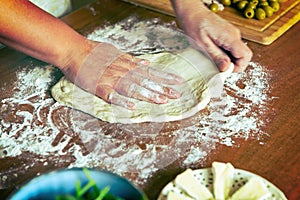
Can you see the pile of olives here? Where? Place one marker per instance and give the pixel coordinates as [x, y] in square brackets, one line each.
[259, 9]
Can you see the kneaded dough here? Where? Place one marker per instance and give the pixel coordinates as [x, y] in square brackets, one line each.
[195, 68]
[56, 8]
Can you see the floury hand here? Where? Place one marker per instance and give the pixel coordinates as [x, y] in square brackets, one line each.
[113, 75]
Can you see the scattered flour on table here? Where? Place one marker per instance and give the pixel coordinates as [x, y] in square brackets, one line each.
[32, 122]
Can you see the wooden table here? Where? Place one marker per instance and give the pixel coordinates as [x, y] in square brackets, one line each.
[277, 159]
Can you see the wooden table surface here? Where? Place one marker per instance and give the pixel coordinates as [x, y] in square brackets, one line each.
[276, 158]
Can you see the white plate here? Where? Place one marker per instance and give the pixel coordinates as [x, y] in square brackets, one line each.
[205, 177]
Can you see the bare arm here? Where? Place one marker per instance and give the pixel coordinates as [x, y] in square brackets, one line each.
[98, 68]
[29, 29]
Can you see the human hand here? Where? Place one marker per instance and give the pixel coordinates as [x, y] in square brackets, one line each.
[218, 38]
[113, 75]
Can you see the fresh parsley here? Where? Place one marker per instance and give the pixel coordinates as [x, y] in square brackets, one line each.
[90, 191]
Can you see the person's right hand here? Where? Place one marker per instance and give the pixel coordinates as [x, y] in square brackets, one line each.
[113, 75]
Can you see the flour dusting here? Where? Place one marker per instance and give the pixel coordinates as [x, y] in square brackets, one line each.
[32, 122]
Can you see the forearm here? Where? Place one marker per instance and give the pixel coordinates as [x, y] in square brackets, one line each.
[27, 28]
[187, 9]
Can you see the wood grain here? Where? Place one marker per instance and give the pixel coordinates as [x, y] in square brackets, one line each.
[261, 31]
[277, 159]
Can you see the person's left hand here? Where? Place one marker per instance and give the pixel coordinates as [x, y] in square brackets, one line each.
[216, 37]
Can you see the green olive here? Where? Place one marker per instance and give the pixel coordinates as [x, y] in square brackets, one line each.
[251, 5]
[268, 10]
[242, 5]
[273, 0]
[214, 7]
[255, 2]
[235, 1]
[226, 2]
[260, 14]
[263, 3]
[275, 6]
[249, 13]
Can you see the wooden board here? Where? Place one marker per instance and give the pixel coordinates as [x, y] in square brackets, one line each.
[261, 31]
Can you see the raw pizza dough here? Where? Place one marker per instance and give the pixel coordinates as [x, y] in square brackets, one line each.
[195, 68]
[56, 8]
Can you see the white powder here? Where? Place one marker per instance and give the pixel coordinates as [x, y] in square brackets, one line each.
[32, 122]
[133, 35]
[24, 131]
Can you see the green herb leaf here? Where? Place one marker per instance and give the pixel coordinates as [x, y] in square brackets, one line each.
[103, 193]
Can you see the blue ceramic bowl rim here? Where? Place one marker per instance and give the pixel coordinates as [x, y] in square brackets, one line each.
[41, 185]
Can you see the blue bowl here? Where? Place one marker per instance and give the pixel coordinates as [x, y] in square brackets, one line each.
[61, 182]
